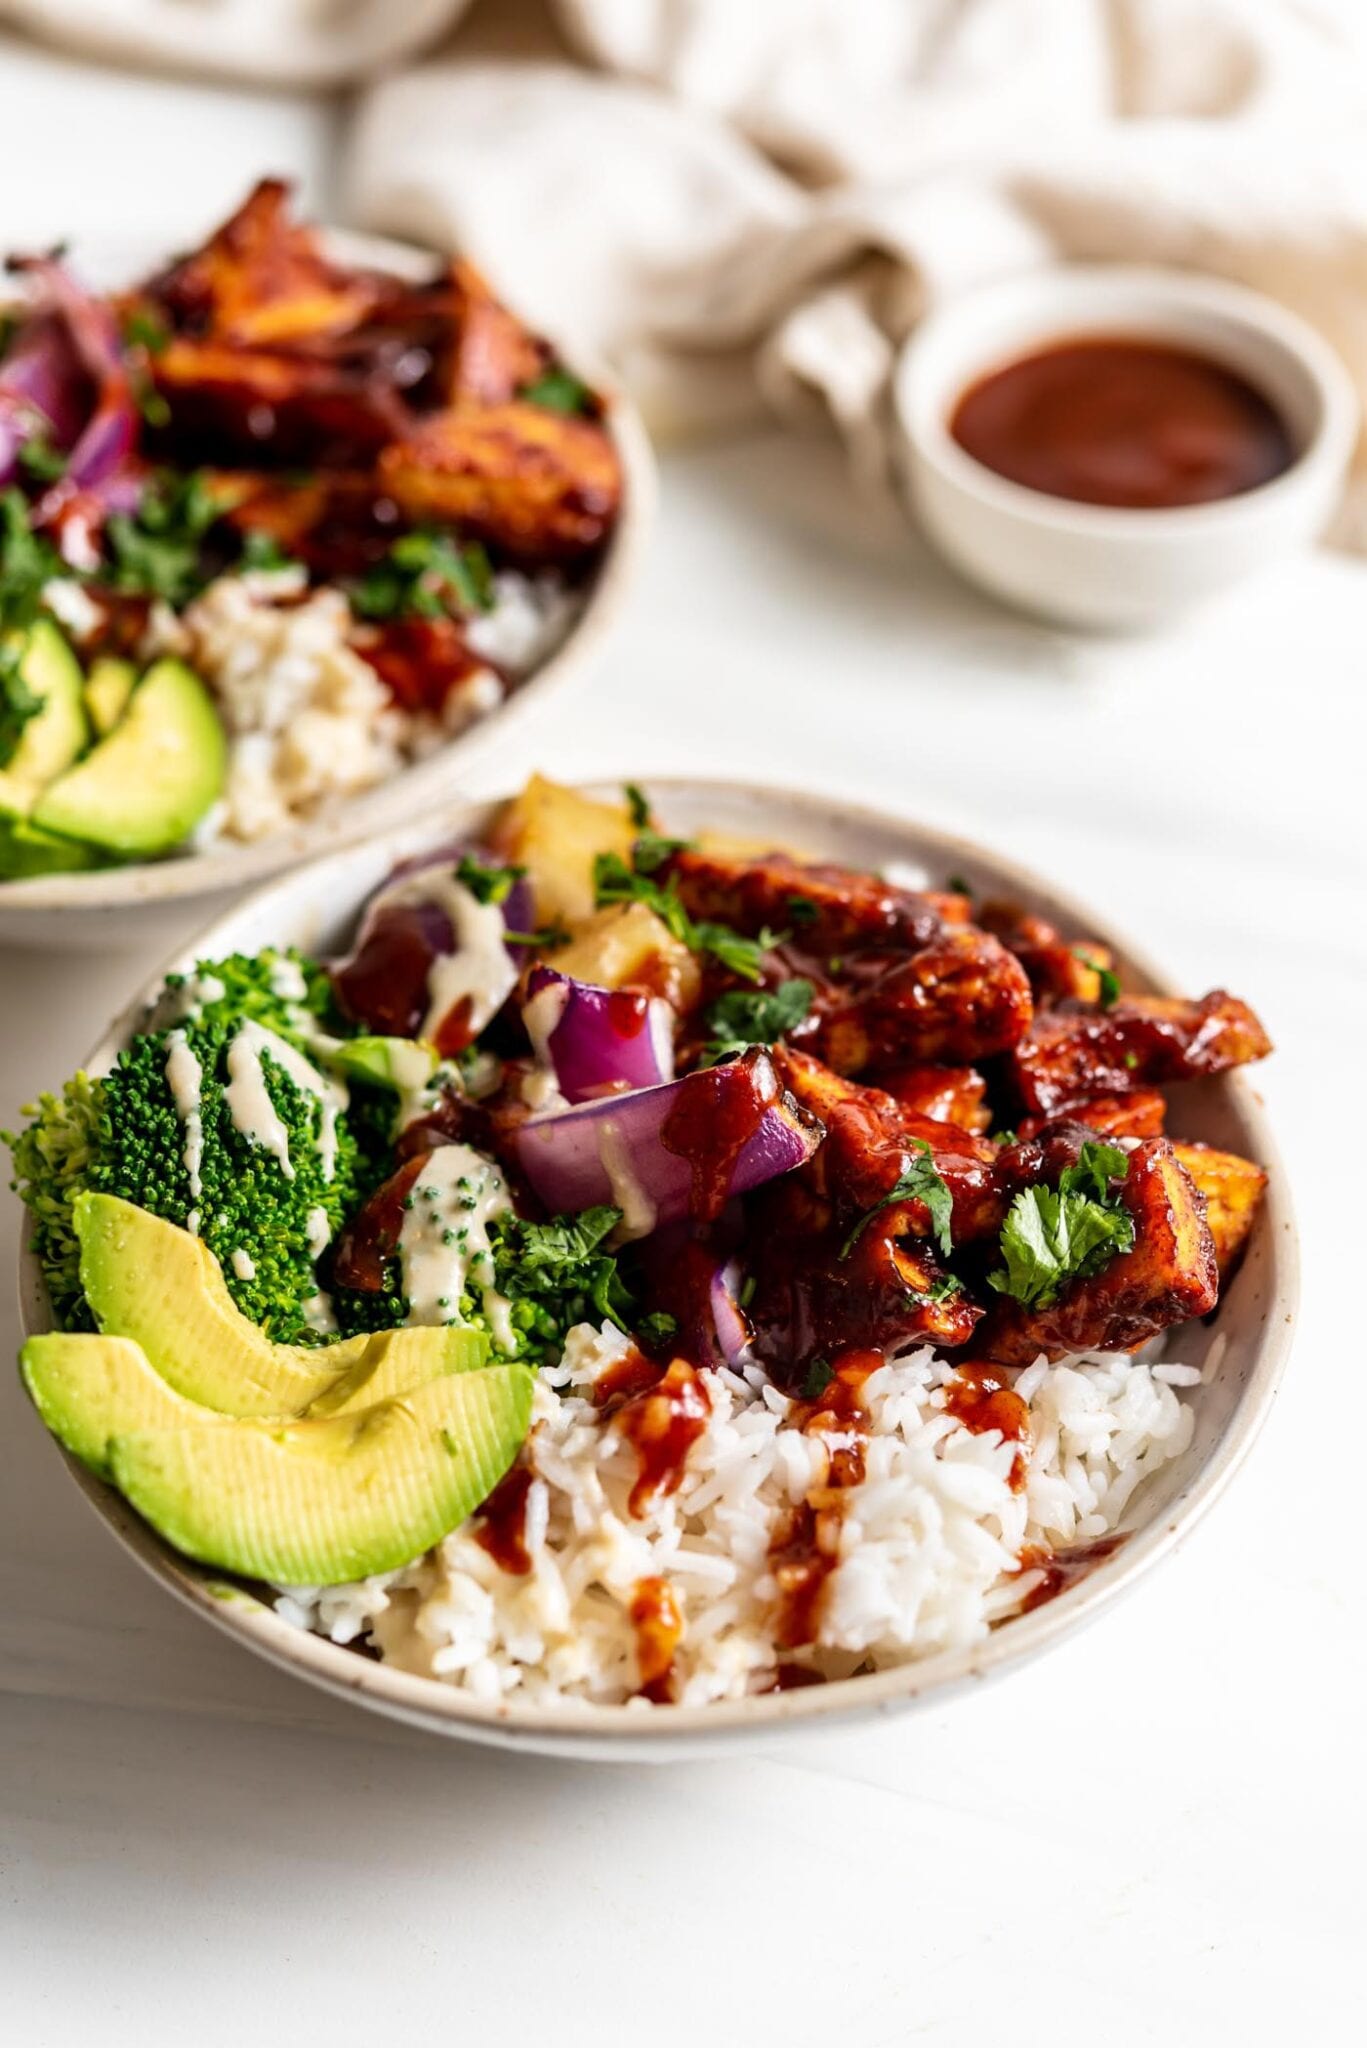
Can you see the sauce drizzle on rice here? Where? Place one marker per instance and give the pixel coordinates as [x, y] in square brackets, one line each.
[806, 1544]
[1064, 1568]
[982, 1398]
[500, 1527]
[659, 1625]
[662, 1423]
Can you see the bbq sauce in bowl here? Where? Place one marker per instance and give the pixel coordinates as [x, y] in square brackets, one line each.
[1138, 424]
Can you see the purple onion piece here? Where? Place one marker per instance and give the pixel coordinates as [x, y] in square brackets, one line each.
[733, 1331]
[80, 341]
[614, 1150]
[597, 1041]
[384, 982]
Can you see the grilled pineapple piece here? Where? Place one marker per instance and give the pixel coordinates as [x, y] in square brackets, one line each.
[555, 834]
[1233, 1188]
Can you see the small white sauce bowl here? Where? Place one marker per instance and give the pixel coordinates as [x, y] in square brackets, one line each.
[1099, 565]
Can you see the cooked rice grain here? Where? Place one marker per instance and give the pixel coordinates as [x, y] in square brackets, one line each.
[929, 1541]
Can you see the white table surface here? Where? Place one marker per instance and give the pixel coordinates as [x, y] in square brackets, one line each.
[1155, 1834]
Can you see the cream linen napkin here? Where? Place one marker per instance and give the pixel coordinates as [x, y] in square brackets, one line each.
[749, 203]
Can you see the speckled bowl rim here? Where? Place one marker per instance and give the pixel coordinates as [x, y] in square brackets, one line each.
[424, 784]
[624, 1733]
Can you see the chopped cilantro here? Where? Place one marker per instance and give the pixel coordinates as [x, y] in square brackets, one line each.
[754, 1017]
[802, 910]
[548, 936]
[652, 850]
[638, 805]
[558, 391]
[486, 884]
[27, 561]
[817, 1378]
[562, 1268]
[920, 1183]
[40, 460]
[657, 1328]
[615, 882]
[1050, 1239]
[261, 550]
[142, 328]
[156, 551]
[1110, 983]
[425, 575]
[958, 886]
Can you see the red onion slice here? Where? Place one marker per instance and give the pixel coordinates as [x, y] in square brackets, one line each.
[664, 1153]
[400, 977]
[108, 435]
[733, 1331]
[597, 1041]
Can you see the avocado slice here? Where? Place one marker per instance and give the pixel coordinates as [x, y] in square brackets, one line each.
[108, 688]
[25, 849]
[51, 740]
[319, 1503]
[141, 790]
[90, 1388]
[148, 1280]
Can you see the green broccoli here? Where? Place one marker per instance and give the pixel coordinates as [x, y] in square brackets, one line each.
[122, 1135]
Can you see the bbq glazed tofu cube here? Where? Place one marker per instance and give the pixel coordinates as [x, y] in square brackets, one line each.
[1069, 1056]
[1233, 1188]
[1168, 1276]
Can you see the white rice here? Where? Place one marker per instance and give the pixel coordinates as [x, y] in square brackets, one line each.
[309, 722]
[930, 1540]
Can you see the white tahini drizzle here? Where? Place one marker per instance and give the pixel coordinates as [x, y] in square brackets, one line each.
[639, 1212]
[480, 967]
[243, 1264]
[250, 1106]
[185, 1079]
[444, 1242]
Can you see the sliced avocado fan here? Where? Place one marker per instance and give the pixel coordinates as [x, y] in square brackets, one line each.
[318, 1503]
[144, 787]
[162, 1287]
[58, 730]
[90, 1388]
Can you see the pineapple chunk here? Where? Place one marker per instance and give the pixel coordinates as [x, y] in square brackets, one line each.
[628, 944]
[554, 833]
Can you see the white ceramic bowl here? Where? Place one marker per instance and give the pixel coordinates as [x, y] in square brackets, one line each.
[1244, 1347]
[109, 905]
[1098, 565]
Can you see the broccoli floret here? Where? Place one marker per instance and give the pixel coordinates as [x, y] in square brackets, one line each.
[52, 1161]
[124, 1136]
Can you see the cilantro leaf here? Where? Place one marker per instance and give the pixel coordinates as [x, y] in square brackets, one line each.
[638, 805]
[427, 575]
[615, 882]
[558, 390]
[562, 1266]
[741, 1017]
[487, 884]
[27, 561]
[261, 550]
[802, 910]
[920, 1183]
[657, 1328]
[1051, 1238]
[40, 460]
[156, 551]
[817, 1378]
[1110, 982]
[652, 850]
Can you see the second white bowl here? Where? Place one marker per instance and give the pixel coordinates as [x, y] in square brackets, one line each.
[1099, 565]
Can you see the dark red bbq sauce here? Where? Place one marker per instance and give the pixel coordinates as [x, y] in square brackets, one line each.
[628, 1011]
[806, 1545]
[384, 983]
[713, 1121]
[1065, 1568]
[1106, 420]
[662, 1422]
[658, 1624]
[372, 1236]
[627, 1376]
[982, 1398]
[501, 1524]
